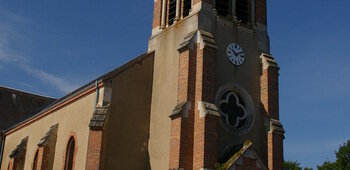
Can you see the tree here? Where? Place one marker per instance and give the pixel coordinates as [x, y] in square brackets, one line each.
[327, 166]
[343, 156]
[291, 165]
[343, 159]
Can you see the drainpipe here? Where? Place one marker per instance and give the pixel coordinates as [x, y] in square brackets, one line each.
[97, 94]
[2, 146]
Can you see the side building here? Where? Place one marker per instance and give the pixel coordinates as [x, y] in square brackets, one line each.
[17, 106]
[78, 131]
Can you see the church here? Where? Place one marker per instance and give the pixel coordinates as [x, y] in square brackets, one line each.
[204, 96]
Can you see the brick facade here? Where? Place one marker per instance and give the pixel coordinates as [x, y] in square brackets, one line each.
[94, 150]
[157, 12]
[248, 164]
[269, 100]
[205, 128]
[193, 140]
[260, 12]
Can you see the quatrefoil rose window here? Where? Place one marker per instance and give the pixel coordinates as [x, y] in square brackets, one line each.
[234, 111]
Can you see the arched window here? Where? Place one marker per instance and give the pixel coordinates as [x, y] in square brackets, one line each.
[70, 154]
[35, 162]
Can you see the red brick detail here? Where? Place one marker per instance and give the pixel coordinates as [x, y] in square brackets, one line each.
[275, 150]
[38, 158]
[17, 163]
[74, 136]
[205, 128]
[10, 166]
[269, 92]
[260, 13]
[193, 140]
[157, 13]
[47, 154]
[248, 164]
[181, 141]
[269, 100]
[93, 157]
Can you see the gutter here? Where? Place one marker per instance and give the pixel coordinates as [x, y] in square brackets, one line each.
[97, 94]
[2, 147]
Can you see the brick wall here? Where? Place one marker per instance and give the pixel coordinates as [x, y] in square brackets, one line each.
[269, 92]
[94, 150]
[248, 164]
[157, 11]
[181, 140]
[194, 138]
[275, 150]
[205, 128]
[270, 106]
[260, 13]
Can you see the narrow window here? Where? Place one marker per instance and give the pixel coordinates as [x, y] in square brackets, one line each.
[70, 154]
[187, 8]
[222, 7]
[242, 9]
[35, 163]
[172, 12]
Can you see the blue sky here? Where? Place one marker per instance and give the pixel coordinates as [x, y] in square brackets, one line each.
[53, 47]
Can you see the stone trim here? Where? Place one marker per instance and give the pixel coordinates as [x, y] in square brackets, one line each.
[181, 110]
[206, 108]
[98, 118]
[186, 41]
[268, 61]
[48, 135]
[20, 148]
[276, 126]
[200, 37]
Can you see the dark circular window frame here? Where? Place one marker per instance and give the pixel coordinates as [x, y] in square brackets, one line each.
[248, 103]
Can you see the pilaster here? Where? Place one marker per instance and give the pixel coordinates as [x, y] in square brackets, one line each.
[194, 123]
[97, 126]
[269, 100]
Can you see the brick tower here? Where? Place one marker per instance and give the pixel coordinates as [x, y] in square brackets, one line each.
[215, 86]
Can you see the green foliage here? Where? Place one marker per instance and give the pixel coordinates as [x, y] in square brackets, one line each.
[307, 168]
[327, 166]
[291, 165]
[343, 159]
[343, 156]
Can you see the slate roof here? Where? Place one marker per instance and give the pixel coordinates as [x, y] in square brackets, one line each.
[17, 105]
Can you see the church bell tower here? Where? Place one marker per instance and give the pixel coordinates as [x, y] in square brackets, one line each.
[215, 87]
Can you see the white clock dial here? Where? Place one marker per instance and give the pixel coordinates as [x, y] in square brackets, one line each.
[235, 54]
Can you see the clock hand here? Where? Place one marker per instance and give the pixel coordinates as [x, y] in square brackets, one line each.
[234, 52]
[239, 53]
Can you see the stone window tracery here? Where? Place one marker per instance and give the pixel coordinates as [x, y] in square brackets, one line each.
[236, 109]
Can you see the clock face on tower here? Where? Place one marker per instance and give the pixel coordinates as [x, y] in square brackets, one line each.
[235, 54]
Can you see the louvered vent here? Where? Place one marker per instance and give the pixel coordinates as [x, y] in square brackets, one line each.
[172, 12]
[187, 8]
[242, 10]
[222, 7]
